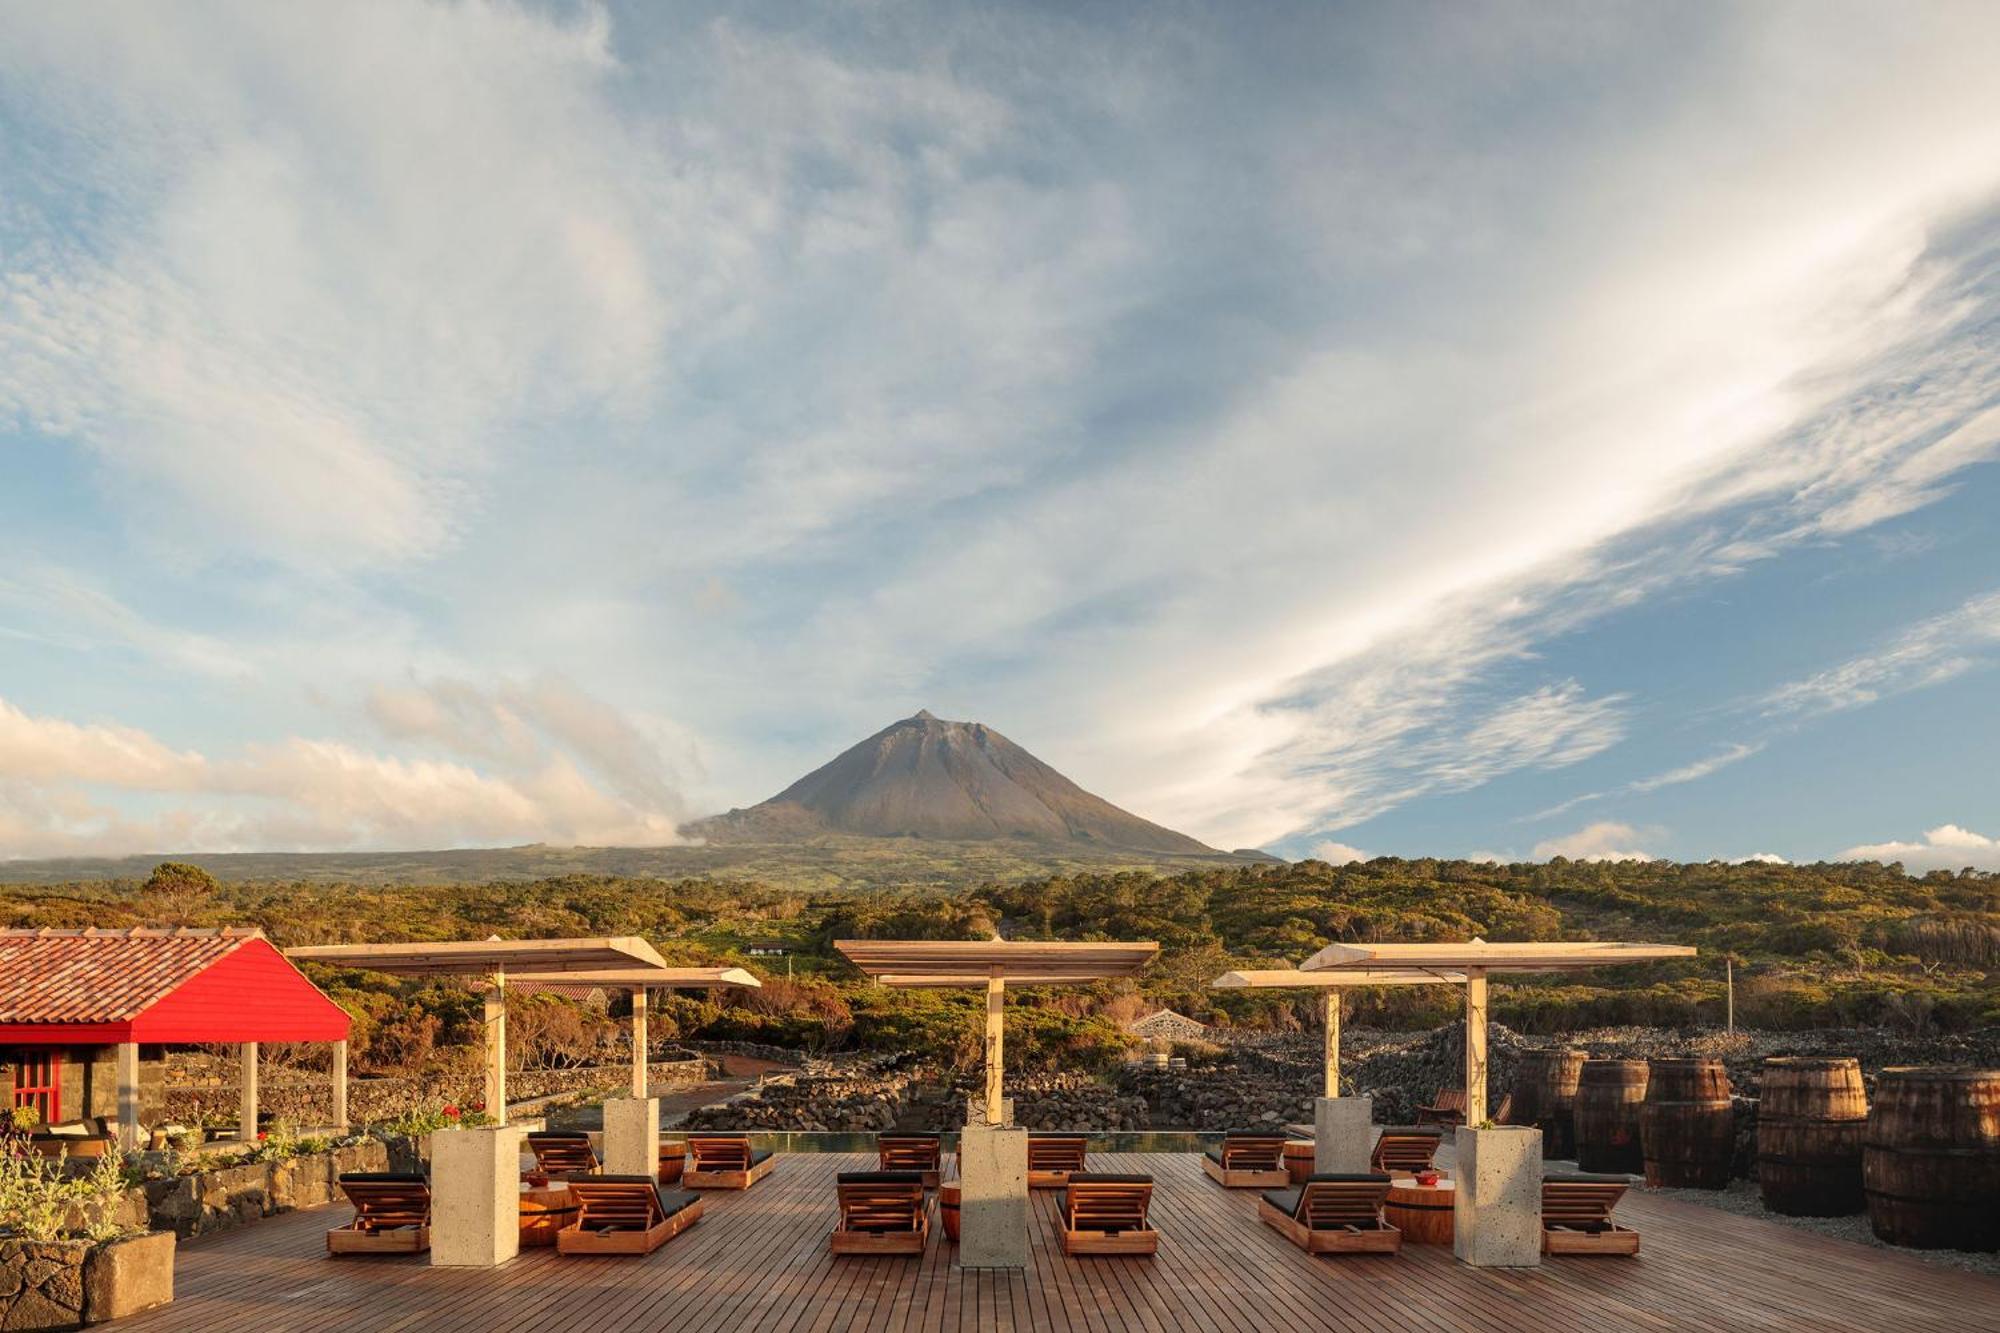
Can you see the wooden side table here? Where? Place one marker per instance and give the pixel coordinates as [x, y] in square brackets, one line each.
[948, 1205]
[545, 1210]
[1423, 1213]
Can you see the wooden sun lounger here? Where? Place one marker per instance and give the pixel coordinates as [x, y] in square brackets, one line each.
[1447, 1109]
[1334, 1214]
[922, 1153]
[392, 1214]
[724, 1162]
[1576, 1215]
[1404, 1150]
[1248, 1159]
[561, 1154]
[881, 1212]
[1054, 1158]
[1106, 1214]
[625, 1215]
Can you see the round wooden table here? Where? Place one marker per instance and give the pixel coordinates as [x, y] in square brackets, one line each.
[1299, 1159]
[545, 1210]
[673, 1158]
[948, 1204]
[1421, 1212]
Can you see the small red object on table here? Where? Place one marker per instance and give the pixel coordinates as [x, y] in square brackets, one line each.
[1423, 1213]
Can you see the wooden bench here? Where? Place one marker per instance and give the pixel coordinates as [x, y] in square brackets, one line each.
[625, 1215]
[1054, 1158]
[1104, 1213]
[724, 1162]
[1248, 1159]
[1404, 1150]
[1446, 1109]
[1334, 1214]
[922, 1153]
[881, 1212]
[392, 1214]
[560, 1154]
[1576, 1215]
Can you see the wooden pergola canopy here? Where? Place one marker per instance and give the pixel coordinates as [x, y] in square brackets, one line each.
[636, 978]
[457, 958]
[972, 963]
[1290, 979]
[1536, 956]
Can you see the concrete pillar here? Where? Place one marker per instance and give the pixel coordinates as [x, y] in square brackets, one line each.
[496, 1048]
[1475, 1046]
[475, 1196]
[993, 1197]
[632, 1137]
[1343, 1134]
[1497, 1203]
[340, 1121]
[127, 1059]
[996, 1044]
[246, 1105]
[639, 1042]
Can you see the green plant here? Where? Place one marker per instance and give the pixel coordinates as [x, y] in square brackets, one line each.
[37, 1197]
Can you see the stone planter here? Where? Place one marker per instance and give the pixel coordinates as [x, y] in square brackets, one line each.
[65, 1284]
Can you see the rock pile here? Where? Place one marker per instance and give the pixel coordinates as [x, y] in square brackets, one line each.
[856, 1094]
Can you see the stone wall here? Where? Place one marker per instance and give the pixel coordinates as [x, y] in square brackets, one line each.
[41, 1283]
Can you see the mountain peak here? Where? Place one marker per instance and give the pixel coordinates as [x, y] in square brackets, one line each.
[953, 781]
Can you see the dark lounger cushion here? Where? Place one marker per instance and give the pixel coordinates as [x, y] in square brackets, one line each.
[1351, 1177]
[879, 1178]
[1429, 1131]
[558, 1136]
[675, 1200]
[384, 1178]
[1585, 1178]
[762, 1154]
[1214, 1155]
[1107, 1178]
[1285, 1201]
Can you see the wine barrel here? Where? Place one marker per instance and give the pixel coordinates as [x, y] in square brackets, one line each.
[1687, 1124]
[948, 1208]
[1608, 1096]
[1812, 1113]
[1299, 1159]
[1545, 1097]
[1930, 1161]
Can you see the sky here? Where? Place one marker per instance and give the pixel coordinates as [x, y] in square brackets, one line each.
[1463, 430]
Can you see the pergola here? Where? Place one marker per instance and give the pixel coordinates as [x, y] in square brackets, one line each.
[1330, 985]
[1472, 961]
[994, 964]
[492, 959]
[640, 980]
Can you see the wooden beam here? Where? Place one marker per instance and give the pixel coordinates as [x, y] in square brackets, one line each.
[639, 1042]
[340, 1121]
[1527, 956]
[496, 1047]
[1475, 1046]
[246, 1105]
[127, 1060]
[1332, 1044]
[996, 993]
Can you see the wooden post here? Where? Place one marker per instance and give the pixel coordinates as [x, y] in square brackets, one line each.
[1332, 1040]
[996, 990]
[128, 1096]
[1729, 972]
[496, 1047]
[639, 1041]
[340, 1121]
[246, 1106]
[1475, 1046]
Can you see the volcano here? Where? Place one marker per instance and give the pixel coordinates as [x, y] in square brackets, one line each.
[924, 777]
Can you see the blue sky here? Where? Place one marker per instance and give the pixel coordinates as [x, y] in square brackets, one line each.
[1483, 430]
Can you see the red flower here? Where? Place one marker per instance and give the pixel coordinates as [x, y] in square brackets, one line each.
[261, 1136]
[479, 1106]
[451, 1111]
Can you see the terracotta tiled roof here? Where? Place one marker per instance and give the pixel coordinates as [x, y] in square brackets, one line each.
[583, 994]
[100, 976]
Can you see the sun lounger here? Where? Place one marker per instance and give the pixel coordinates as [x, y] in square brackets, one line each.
[1446, 1109]
[1248, 1159]
[1054, 1158]
[560, 1154]
[1333, 1214]
[881, 1212]
[625, 1215]
[922, 1153]
[1106, 1214]
[1404, 1150]
[1576, 1215]
[392, 1214]
[724, 1162]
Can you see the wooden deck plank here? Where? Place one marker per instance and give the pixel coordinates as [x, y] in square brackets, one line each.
[759, 1261]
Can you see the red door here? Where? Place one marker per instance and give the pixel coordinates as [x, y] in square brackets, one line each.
[38, 1084]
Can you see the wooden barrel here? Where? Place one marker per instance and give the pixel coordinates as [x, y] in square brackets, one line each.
[1812, 1113]
[1687, 1124]
[948, 1202]
[1930, 1161]
[1545, 1097]
[1608, 1096]
[1299, 1159]
[673, 1160]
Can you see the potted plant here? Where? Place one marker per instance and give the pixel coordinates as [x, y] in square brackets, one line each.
[65, 1258]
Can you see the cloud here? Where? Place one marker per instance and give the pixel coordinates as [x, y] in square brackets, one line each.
[1946, 847]
[1761, 858]
[1689, 772]
[1339, 853]
[1929, 652]
[1606, 841]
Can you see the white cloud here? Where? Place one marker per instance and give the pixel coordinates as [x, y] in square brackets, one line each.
[1762, 858]
[1946, 847]
[1689, 772]
[1339, 853]
[1927, 653]
[1605, 841]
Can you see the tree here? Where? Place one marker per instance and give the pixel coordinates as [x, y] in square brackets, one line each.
[176, 889]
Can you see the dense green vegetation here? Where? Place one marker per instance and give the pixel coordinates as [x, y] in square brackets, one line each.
[1814, 945]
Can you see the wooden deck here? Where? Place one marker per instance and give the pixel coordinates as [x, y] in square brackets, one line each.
[759, 1261]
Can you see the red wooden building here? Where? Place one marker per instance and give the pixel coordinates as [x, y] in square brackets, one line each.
[85, 1017]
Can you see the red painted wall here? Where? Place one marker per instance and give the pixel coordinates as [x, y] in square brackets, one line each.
[252, 994]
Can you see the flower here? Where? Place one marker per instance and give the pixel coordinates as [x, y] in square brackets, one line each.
[451, 1111]
[261, 1136]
